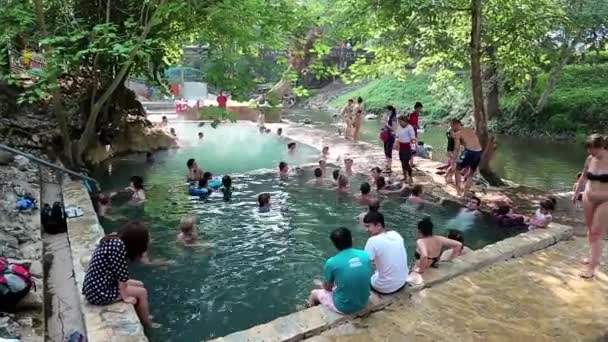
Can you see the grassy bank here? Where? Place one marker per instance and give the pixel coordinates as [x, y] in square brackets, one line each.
[578, 105]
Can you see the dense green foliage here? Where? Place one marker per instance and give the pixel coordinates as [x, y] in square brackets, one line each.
[440, 100]
[578, 105]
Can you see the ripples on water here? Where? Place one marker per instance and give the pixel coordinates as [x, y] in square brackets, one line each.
[257, 266]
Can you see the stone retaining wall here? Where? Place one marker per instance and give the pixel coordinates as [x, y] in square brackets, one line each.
[313, 321]
[117, 322]
[21, 241]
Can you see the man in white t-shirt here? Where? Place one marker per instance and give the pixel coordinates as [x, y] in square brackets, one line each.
[387, 251]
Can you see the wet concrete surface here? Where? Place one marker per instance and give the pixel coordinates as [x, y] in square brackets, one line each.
[539, 297]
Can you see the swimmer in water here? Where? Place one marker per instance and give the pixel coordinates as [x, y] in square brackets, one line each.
[543, 215]
[323, 166]
[325, 152]
[375, 172]
[194, 173]
[226, 188]
[335, 174]
[373, 207]
[365, 198]
[386, 189]
[429, 246]
[283, 169]
[138, 196]
[104, 204]
[291, 148]
[416, 197]
[188, 232]
[448, 254]
[342, 184]
[318, 180]
[473, 205]
[207, 176]
[200, 135]
[264, 202]
[203, 183]
[348, 166]
[149, 158]
[279, 131]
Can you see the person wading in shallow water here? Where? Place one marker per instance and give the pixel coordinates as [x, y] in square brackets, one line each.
[346, 114]
[388, 136]
[405, 138]
[358, 119]
[469, 158]
[594, 179]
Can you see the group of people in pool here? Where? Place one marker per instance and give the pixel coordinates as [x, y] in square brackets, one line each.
[350, 275]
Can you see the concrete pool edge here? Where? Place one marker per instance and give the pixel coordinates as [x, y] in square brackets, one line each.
[312, 321]
[116, 322]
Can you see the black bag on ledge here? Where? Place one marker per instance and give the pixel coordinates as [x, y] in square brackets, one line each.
[53, 219]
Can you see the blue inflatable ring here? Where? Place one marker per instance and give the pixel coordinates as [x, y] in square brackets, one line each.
[198, 192]
[215, 183]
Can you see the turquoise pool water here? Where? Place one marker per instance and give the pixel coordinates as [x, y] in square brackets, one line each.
[255, 266]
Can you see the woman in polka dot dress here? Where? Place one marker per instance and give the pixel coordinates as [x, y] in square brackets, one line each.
[107, 278]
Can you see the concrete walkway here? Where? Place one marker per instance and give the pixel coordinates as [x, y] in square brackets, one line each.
[539, 297]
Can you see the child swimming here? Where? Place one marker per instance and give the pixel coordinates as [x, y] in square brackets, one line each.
[283, 169]
[416, 196]
[188, 233]
[543, 215]
[226, 188]
[138, 196]
[264, 202]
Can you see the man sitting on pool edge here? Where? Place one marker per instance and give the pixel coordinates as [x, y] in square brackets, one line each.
[345, 277]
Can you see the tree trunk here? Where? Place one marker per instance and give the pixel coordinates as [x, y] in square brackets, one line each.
[89, 132]
[300, 57]
[491, 80]
[57, 105]
[479, 113]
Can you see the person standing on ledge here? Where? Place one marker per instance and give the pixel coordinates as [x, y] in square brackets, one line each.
[222, 100]
[469, 158]
[387, 251]
[345, 277]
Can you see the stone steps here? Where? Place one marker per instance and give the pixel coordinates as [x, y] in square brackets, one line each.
[63, 314]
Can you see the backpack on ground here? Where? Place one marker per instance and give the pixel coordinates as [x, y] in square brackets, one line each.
[15, 283]
[53, 219]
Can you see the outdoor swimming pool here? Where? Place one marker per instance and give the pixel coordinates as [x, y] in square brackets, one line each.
[257, 266]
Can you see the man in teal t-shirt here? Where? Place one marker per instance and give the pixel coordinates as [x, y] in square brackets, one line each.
[345, 277]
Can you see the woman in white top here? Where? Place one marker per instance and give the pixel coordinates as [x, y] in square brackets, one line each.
[406, 136]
